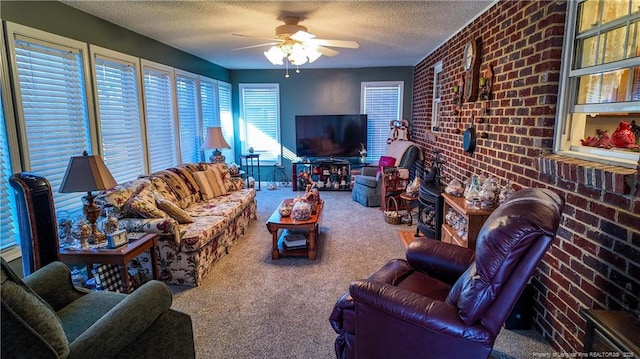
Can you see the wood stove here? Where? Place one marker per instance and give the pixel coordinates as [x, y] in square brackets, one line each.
[430, 210]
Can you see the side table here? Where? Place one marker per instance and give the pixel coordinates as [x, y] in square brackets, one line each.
[611, 331]
[409, 203]
[121, 255]
[248, 159]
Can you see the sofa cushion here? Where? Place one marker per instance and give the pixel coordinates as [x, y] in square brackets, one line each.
[203, 230]
[163, 189]
[173, 210]
[38, 323]
[144, 203]
[245, 196]
[220, 207]
[206, 189]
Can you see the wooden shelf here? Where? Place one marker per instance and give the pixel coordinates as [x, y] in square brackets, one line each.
[475, 219]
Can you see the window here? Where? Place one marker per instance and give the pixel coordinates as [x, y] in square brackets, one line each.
[188, 116]
[437, 93]
[159, 116]
[260, 121]
[382, 103]
[215, 101]
[49, 82]
[601, 69]
[118, 108]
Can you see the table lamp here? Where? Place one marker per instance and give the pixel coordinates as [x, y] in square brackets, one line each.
[86, 174]
[216, 141]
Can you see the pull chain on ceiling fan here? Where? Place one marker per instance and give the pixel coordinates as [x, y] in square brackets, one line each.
[294, 45]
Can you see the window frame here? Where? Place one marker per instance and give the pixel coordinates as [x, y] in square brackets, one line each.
[127, 60]
[13, 250]
[268, 157]
[437, 96]
[170, 71]
[377, 128]
[43, 38]
[568, 108]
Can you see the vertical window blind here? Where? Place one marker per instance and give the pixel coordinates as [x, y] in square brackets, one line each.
[119, 117]
[382, 103]
[9, 220]
[161, 129]
[260, 120]
[51, 93]
[188, 118]
[209, 106]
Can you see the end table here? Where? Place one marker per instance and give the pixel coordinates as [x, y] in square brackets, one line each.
[121, 255]
[250, 170]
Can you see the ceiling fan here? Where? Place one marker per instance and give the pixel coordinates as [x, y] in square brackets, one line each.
[294, 44]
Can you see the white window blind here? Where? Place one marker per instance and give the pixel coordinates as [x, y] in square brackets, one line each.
[160, 117]
[50, 90]
[119, 117]
[8, 220]
[226, 118]
[382, 103]
[209, 106]
[260, 120]
[188, 118]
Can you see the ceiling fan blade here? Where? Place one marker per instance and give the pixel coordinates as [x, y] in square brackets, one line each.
[335, 43]
[257, 37]
[327, 51]
[254, 46]
[302, 36]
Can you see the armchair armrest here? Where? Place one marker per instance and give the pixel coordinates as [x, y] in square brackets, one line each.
[444, 261]
[370, 171]
[434, 316]
[161, 226]
[124, 322]
[53, 284]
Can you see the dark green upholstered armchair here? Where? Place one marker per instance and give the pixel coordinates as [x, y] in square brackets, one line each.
[45, 316]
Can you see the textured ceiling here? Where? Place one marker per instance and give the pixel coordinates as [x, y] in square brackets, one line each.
[390, 33]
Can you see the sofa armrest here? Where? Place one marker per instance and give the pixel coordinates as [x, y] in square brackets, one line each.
[161, 226]
[441, 260]
[53, 284]
[123, 323]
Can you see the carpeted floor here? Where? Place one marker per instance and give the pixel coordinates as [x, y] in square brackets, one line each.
[253, 307]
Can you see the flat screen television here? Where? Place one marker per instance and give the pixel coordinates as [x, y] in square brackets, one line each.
[325, 136]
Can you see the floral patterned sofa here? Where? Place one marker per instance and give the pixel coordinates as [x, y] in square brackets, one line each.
[197, 210]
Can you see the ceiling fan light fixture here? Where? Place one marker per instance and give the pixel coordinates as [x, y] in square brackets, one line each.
[275, 55]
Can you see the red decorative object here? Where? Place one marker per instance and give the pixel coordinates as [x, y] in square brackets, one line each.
[602, 140]
[623, 137]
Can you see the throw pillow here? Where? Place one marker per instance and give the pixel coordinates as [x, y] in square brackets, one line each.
[174, 211]
[144, 203]
[216, 181]
[386, 161]
[205, 187]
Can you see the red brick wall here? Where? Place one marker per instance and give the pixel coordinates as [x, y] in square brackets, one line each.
[597, 250]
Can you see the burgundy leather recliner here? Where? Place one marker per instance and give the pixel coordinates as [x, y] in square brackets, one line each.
[445, 301]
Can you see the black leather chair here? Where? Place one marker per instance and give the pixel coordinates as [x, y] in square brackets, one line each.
[445, 301]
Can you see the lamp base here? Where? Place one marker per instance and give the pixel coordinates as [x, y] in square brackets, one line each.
[92, 212]
[217, 157]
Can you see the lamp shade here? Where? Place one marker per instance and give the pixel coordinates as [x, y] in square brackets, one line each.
[215, 139]
[85, 174]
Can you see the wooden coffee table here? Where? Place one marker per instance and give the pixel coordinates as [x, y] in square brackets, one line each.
[276, 223]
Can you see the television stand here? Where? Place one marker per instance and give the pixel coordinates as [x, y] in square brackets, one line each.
[330, 174]
[331, 160]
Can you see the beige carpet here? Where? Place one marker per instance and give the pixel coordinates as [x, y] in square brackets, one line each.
[253, 307]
